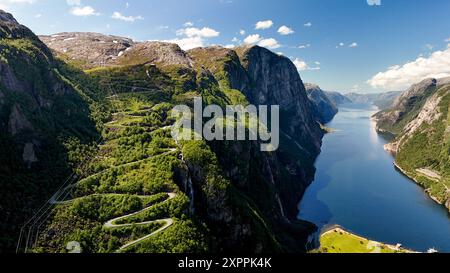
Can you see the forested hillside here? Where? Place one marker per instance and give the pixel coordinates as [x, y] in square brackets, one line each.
[420, 121]
[134, 189]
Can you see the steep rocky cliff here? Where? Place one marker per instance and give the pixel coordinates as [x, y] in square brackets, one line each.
[38, 109]
[420, 121]
[406, 106]
[325, 107]
[281, 177]
[337, 98]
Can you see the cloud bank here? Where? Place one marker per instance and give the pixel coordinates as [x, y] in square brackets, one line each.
[400, 77]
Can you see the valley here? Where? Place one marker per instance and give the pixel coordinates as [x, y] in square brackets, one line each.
[358, 188]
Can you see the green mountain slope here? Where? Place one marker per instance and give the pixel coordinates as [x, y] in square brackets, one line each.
[420, 120]
[47, 125]
[230, 195]
[135, 189]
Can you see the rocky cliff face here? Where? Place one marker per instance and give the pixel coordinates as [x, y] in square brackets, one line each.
[337, 98]
[281, 177]
[325, 107]
[275, 81]
[405, 107]
[35, 105]
[419, 120]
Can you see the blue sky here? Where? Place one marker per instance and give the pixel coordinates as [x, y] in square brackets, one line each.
[344, 45]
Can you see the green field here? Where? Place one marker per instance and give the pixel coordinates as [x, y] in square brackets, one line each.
[338, 240]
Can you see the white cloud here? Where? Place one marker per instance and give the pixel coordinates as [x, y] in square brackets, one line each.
[119, 16]
[447, 40]
[304, 46]
[205, 32]
[429, 47]
[37, 16]
[193, 37]
[302, 65]
[252, 39]
[230, 46]
[309, 24]
[269, 43]
[374, 2]
[84, 11]
[188, 42]
[188, 24]
[264, 24]
[317, 63]
[400, 77]
[340, 45]
[284, 30]
[353, 45]
[355, 88]
[242, 32]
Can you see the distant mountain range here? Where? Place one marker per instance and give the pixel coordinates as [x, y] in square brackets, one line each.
[328, 102]
[381, 100]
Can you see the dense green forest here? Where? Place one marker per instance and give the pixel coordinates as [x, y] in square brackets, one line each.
[46, 123]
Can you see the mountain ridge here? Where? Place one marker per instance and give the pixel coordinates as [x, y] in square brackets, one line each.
[229, 194]
[419, 121]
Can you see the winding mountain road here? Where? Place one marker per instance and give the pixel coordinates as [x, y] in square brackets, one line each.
[111, 223]
[55, 200]
[168, 222]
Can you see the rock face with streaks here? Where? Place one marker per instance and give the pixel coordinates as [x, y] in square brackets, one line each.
[337, 98]
[38, 108]
[325, 107]
[280, 177]
[396, 117]
[419, 120]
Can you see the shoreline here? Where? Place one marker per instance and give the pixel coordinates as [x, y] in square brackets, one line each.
[405, 173]
[391, 148]
[340, 229]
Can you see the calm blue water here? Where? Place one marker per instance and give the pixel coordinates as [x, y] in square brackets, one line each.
[358, 188]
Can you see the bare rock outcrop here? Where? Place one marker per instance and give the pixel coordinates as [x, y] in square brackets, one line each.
[91, 49]
[155, 53]
[326, 109]
[17, 121]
